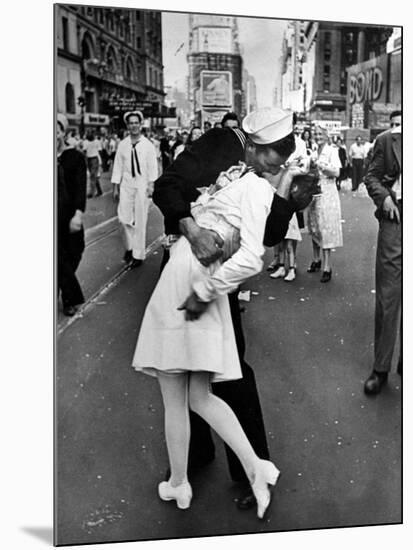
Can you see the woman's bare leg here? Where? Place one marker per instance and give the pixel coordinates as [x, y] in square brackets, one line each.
[222, 419]
[326, 259]
[316, 252]
[174, 389]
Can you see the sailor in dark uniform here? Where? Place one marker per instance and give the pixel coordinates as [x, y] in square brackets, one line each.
[71, 202]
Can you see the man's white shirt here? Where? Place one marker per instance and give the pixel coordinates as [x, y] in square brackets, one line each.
[148, 165]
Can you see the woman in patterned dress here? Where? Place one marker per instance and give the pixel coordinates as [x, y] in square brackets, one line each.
[324, 213]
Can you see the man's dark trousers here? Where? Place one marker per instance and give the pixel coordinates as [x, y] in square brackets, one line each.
[242, 396]
[70, 247]
[357, 173]
[388, 292]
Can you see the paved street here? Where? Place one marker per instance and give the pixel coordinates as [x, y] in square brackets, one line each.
[311, 347]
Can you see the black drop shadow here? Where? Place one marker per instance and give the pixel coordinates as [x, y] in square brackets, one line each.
[43, 533]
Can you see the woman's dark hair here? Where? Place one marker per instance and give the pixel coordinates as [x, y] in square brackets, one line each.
[191, 132]
[284, 147]
[229, 116]
[395, 113]
[309, 133]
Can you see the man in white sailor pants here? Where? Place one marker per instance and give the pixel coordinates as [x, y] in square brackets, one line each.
[134, 170]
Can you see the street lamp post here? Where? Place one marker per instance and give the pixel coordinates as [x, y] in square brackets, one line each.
[81, 103]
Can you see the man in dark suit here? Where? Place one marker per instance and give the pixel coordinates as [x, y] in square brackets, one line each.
[198, 166]
[383, 182]
[71, 201]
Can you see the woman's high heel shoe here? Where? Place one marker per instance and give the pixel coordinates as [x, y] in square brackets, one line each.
[315, 266]
[182, 493]
[326, 276]
[266, 477]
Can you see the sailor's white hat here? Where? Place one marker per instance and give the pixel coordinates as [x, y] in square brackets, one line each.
[130, 113]
[267, 125]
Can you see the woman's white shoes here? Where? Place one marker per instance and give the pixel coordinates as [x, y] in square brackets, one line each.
[266, 477]
[182, 493]
[290, 275]
[280, 272]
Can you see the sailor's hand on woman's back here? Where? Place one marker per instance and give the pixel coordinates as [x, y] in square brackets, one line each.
[205, 244]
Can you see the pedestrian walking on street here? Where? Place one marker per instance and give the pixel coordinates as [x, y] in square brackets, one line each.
[342, 154]
[324, 213]
[92, 148]
[165, 150]
[187, 338]
[356, 156]
[181, 144]
[199, 166]
[112, 147]
[194, 134]
[285, 253]
[71, 201]
[384, 185]
[134, 171]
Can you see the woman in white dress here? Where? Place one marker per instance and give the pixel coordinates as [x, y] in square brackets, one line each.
[324, 213]
[187, 338]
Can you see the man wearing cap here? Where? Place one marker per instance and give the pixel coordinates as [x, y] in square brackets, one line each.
[71, 201]
[199, 166]
[135, 169]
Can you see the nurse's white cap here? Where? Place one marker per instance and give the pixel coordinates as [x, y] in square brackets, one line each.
[267, 125]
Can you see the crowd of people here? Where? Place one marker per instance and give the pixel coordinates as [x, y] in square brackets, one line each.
[225, 193]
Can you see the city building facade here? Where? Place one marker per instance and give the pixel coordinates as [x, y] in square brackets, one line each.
[215, 83]
[249, 95]
[292, 90]
[108, 62]
[324, 64]
[374, 90]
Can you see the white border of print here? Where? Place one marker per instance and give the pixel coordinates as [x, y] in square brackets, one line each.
[27, 279]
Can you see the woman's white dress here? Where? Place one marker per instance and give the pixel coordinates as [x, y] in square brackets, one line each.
[293, 231]
[324, 212]
[166, 340]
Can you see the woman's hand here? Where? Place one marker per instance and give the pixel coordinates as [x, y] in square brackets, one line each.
[193, 307]
[327, 169]
[116, 192]
[282, 181]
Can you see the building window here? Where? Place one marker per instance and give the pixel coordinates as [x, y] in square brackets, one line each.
[65, 27]
[111, 60]
[89, 12]
[70, 98]
[138, 42]
[150, 76]
[138, 15]
[101, 17]
[87, 52]
[129, 69]
[326, 78]
[90, 102]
